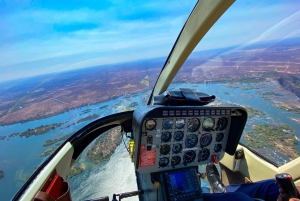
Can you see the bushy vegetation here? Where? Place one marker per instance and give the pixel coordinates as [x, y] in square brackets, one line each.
[50, 142]
[295, 110]
[104, 146]
[254, 141]
[251, 111]
[90, 117]
[39, 130]
[47, 152]
[281, 138]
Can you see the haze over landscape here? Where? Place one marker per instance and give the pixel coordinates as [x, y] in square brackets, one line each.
[54, 36]
[47, 95]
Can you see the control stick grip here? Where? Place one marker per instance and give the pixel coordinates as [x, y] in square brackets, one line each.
[286, 182]
[214, 179]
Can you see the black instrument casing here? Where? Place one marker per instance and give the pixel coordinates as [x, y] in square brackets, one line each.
[237, 117]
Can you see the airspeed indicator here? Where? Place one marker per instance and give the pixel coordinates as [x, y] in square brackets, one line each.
[167, 124]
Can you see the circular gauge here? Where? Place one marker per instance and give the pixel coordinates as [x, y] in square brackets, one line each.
[191, 140]
[180, 123]
[219, 137]
[178, 135]
[208, 124]
[189, 156]
[166, 136]
[176, 148]
[203, 155]
[193, 124]
[217, 147]
[205, 140]
[222, 124]
[175, 160]
[167, 124]
[165, 149]
[163, 162]
[150, 124]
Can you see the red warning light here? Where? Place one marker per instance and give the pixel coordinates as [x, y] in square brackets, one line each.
[214, 159]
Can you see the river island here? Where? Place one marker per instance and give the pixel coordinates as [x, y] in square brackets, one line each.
[51, 142]
[39, 130]
[90, 117]
[101, 150]
[281, 138]
[47, 152]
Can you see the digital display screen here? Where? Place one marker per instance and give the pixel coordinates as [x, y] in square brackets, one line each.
[182, 182]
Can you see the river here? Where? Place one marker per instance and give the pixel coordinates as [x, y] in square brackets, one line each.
[20, 156]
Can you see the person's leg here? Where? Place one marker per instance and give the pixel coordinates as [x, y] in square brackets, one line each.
[226, 197]
[265, 190]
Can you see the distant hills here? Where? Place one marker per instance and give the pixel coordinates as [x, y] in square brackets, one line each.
[46, 95]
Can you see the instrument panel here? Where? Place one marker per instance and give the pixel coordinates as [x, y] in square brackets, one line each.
[177, 137]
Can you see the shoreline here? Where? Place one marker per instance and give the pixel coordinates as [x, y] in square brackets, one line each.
[64, 110]
[243, 80]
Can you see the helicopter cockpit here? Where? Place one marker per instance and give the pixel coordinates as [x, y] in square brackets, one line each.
[174, 134]
[171, 141]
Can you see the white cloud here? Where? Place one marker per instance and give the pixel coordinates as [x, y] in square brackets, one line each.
[27, 37]
[114, 41]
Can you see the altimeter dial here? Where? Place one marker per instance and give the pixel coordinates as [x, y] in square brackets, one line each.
[205, 139]
[191, 140]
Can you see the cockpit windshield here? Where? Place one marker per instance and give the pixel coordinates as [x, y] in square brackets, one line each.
[250, 58]
[66, 64]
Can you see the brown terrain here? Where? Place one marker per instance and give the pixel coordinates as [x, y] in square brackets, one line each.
[47, 95]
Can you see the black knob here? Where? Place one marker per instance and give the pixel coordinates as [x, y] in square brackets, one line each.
[239, 154]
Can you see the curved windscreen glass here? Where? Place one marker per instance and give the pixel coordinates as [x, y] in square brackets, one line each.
[250, 58]
[64, 65]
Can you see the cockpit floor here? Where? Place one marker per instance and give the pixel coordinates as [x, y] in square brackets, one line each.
[229, 177]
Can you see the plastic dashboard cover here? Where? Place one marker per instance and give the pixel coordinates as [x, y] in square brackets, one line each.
[174, 137]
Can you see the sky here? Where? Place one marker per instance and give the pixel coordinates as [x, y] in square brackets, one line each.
[45, 36]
